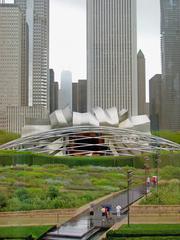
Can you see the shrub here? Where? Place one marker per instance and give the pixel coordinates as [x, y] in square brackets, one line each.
[3, 201]
[53, 192]
[22, 194]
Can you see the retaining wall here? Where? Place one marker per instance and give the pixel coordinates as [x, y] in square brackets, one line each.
[136, 210]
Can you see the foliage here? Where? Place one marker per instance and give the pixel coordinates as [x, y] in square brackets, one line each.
[7, 137]
[168, 194]
[53, 192]
[22, 194]
[170, 172]
[141, 231]
[58, 186]
[3, 201]
[22, 232]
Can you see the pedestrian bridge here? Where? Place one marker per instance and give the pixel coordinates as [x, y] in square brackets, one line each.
[85, 227]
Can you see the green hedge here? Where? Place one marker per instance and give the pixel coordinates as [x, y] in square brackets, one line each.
[146, 230]
[13, 157]
[23, 232]
[9, 157]
[147, 238]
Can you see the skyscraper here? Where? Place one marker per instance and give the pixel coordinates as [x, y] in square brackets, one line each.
[79, 96]
[36, 13]
[54, 92]
[74, 96]
[66, 89]
[155, 101]
[141, 83]
[112, 54]
[170, 58]
[11, 47]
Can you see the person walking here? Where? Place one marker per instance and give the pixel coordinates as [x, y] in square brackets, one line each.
[91, 210]
[148, 183]
[118, 210]
[91, 213]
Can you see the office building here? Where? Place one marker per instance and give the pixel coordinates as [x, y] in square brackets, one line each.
[112, 54]
[17, 116]
[82, 96]
[155, 101]
[54, 92]
[11, 48]
[79, 96]
[141, 78]
[36, 13]
[74, 96]
[66, 89]
[170, 58]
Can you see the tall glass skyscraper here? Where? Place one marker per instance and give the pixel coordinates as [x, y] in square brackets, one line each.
[36, 13]
[111, 54]
[170, 54]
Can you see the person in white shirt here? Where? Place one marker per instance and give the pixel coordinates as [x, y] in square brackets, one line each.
[118, 210]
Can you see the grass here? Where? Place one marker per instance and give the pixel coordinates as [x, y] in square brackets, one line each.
[23, 232]
[146, 231]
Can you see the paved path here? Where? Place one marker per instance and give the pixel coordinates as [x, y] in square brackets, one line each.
[83, 224]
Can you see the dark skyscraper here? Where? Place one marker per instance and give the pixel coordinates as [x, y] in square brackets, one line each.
[155, 102]
[74, 96]
[54, 92]
[170, 50]
[79, 96]
[82, 96]
[141, 78]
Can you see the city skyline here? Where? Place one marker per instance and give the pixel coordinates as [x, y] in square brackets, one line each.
[68, 44]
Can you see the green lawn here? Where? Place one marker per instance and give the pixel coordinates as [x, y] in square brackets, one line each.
[146, 231]
[22, 232]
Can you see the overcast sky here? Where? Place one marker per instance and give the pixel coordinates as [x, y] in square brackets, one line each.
[68, 36]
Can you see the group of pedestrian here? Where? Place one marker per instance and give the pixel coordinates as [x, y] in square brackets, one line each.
[151, 182]
[105, 212]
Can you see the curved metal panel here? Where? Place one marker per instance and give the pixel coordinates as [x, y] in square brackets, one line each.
[91, 140]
